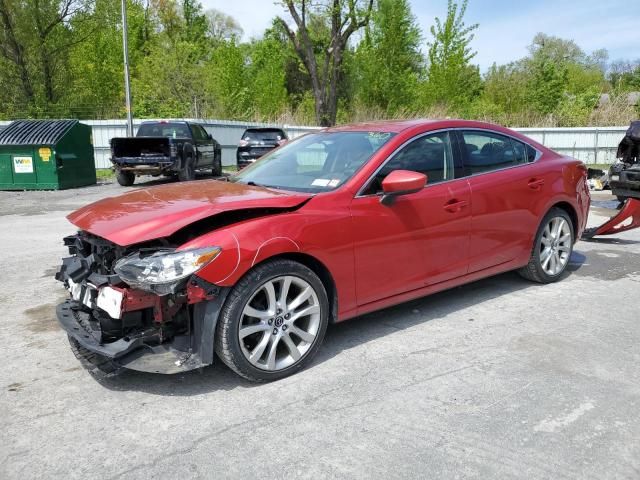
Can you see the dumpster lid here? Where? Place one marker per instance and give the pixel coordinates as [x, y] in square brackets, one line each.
[40, 132]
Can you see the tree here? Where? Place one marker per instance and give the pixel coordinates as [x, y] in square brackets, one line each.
[196, 24]
[625, 75]
[222, 26]
[452, 80]
[506, 86]
[388, 60]
[36, 39]
[324, 63]
[267, 75]
[555, 49]
[547, 84]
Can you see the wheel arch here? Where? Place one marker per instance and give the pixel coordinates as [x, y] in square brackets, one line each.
[573, 214]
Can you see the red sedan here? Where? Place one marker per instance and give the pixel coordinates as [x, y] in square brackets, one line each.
[330, 226]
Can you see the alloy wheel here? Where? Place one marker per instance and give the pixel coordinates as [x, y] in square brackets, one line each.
[555, 246]
[279, 323]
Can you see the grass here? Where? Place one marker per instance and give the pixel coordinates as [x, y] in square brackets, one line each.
[105, 174]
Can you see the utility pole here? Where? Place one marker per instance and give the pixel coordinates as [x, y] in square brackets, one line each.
[127, 86]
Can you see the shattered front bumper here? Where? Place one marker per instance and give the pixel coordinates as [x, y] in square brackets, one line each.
[116, 326]
[142, 352]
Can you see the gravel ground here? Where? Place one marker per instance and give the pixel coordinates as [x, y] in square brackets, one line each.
[497, 379]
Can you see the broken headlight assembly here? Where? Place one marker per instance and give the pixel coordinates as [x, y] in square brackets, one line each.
[162, 271]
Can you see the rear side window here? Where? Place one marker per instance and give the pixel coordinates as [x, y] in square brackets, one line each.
[430, 154]
[488, 151]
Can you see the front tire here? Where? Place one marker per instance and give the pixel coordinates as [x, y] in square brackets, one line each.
[273, 321]
[552, 248]
[126, 179]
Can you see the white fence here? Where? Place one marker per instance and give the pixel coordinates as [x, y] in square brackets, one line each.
[589, 144]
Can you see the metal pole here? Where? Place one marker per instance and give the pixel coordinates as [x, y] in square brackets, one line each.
[127, 86]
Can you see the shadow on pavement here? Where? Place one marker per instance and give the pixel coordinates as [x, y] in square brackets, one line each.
[339, 337]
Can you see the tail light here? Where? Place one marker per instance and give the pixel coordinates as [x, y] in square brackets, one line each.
[243, 143]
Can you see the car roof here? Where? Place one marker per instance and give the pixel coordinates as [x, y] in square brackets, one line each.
[179, 122]
[397, 126]
[266, 129]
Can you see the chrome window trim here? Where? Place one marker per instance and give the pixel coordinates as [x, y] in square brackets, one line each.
[364, 186]
[476, 129]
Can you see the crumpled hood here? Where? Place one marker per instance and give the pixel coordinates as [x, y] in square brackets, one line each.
[156, 212]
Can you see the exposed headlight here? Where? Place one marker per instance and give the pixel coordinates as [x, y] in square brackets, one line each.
[615, 178]
[158, 271]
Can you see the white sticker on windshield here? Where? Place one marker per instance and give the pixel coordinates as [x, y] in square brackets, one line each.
[320, 182]
[334, 182]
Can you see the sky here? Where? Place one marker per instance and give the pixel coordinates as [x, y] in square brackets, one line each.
[506, 26]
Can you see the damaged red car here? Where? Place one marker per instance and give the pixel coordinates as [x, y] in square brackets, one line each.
[330, 226]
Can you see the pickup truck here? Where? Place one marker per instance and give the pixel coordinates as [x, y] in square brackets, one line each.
[165, 148]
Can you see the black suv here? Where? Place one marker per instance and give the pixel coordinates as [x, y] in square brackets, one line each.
[256, 142]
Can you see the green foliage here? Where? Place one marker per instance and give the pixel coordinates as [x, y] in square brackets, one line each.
[63, 58]
[266, 72]
[388, 63]
[452, 80]
[625, 77]
[574, 110]
[546, 85]
[506, 87]
[227, 81]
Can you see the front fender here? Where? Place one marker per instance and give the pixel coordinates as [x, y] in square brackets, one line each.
[240, 252]
[315, 233]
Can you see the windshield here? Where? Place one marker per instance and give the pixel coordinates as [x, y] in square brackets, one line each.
[316, 162]
[173, 130]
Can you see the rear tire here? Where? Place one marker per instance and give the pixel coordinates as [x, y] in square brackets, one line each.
[188, 170]
[273, 321]
[552, 248]
[126, 179]
[217, 164]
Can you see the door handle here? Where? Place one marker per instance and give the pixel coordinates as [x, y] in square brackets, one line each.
[454, 206]
[535, 183]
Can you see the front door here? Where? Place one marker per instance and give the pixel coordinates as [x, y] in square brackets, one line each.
[204, 145]
[421, 238]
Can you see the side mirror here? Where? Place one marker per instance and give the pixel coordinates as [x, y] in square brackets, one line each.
[209, 136]
[401, 182]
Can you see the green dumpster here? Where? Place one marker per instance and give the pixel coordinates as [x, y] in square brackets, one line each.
[46, 155]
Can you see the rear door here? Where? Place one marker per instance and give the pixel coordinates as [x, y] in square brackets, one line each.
[421, 238]
[505, 182]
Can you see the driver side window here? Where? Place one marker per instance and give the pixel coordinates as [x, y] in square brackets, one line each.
[430, 154]
[199, 134]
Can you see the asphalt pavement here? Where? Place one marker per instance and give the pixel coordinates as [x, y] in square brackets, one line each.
[500, 378]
